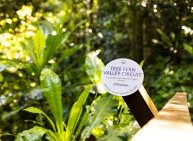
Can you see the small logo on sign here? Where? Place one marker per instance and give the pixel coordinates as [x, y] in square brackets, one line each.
[123, 61]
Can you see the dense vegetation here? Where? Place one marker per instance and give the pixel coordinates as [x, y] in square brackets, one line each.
[52, 53]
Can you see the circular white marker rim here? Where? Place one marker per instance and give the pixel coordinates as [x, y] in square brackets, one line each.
[122, 77]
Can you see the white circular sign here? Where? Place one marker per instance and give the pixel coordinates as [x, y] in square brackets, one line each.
[122, 77]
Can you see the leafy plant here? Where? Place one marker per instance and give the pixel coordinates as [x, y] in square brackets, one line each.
[82, 123]
[51, 86]
[34, 134]
[76, 113]
[42, 47]
[188, 48]
[107, 116]
[100, 109]
[171, 79]
[94, 66]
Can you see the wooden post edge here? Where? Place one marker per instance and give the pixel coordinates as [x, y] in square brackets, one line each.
[172, 123]
[141, 106]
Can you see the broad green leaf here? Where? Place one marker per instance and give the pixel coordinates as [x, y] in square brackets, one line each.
[45, 27]
[188, 48]
[101, 108]
[34, 134]
[142, 63]
[39, 111]
[76, 112]
[69, 51]
[94, 66]
[28, 46]
[8, 115]
[5, 134]
[81, 124]
[164, 37]
[172, 35]
[98, 132]
[52, 136]
[39, 42]
[51, 85]
[118, 128]
[1, 77]
[52, 44]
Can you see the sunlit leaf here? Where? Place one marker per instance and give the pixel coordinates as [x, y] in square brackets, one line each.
[28, 46]
[11, 65]
[98, 132]
[1, 77]
[39, 42]
[101, 108]
[39, 111]
[51, 85]
[34, 134]
[52, 44]
[142, 63]
[81, 124]
[76, 112]
[52, 136]
[164, 37]
[188, 48]
[94, 66]
[9, 115]
[45, 27]
[172, 35]
[69, 51]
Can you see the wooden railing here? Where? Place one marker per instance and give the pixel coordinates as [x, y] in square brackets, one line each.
[172, 123]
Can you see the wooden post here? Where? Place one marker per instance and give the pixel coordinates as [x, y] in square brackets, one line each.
[172, 123]
[141, 106]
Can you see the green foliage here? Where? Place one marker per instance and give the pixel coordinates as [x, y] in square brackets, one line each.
[53, 42]
[170, 80]
[35, 110]
[69, 52]
[165, 39]
[102, 108]
[93, 66]
[76, 112]
[188, 48]
[51, 86]
[39, 42]
[45, 27]
[42, 49]
[34, 134]
[66, 37]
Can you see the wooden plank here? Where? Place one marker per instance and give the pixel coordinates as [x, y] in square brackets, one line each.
[148, 101]
[141, 106]
[172, 123]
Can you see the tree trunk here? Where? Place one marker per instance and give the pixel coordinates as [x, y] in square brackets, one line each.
[136, 52]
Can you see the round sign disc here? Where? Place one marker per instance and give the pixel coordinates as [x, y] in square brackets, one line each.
[122, 77]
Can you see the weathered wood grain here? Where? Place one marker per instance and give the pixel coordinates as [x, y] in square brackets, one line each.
[172, 123]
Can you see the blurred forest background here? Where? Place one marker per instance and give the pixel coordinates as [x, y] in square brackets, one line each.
[54, 50]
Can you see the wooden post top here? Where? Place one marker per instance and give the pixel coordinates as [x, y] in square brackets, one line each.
[141, 106]
[172, 123]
